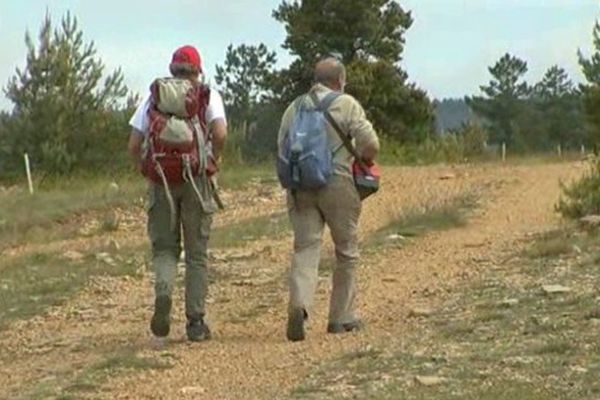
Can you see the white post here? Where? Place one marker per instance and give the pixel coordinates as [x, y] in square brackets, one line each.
[503, 151]
[559, 151]
[583, 150]
[28, 170]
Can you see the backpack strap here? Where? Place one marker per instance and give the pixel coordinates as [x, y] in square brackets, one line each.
[328, 101]
[346, 140]
[324, 104]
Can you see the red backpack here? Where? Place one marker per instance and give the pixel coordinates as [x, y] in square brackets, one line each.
[177, 142]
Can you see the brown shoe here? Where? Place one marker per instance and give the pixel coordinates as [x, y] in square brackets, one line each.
[197, 330]
[295, 327]
[161, 320]
[356, 325]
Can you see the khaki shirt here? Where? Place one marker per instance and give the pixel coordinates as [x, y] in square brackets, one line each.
[350, 116]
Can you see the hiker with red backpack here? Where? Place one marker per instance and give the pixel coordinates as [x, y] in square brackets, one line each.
[178, 133]
[327, 148]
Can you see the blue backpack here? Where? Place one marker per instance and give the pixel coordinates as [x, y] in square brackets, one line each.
[306, 159]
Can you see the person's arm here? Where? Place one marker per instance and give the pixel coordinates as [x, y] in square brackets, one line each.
[139, 125]
[361, 129]
[218, 131]
[217, 124]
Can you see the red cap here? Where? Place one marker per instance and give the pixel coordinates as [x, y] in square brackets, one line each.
[187, 55]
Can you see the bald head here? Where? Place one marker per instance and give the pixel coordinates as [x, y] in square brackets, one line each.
[331, 73]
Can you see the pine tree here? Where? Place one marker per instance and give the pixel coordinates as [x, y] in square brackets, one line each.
[62, 104]
[369, 37]
[591, 90]
[244, 80]
[503, 99]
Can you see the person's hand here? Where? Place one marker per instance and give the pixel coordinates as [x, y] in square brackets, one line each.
[368, 156]
[212, 168]
[368, 163]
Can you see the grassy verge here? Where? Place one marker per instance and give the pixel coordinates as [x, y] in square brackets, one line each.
[435, 216]
[31, 284]
[505, 336]
[88, 381]
[556, 244]
[49, 213]
[25, 217]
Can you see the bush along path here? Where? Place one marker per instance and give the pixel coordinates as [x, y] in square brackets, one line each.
[428, 231]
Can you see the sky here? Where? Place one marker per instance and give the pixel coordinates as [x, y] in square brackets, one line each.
[448, 49]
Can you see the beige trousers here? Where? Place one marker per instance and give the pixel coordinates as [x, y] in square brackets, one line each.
[337, 205]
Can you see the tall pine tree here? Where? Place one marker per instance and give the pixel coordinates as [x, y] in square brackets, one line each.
[244, 78]
[369, 37]
[503, 99]
[559, 102]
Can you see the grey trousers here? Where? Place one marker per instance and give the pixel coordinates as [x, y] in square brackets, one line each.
[166, 244]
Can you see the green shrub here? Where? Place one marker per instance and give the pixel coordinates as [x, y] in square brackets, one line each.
[582, 197]
[465, 144]
[474, 141]
[233, 150]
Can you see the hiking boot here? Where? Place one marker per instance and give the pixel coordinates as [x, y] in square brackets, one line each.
[160, 324]
[356, 325]
[197, 331]
[295, 328]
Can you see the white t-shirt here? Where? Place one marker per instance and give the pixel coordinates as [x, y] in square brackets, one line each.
[214, 111]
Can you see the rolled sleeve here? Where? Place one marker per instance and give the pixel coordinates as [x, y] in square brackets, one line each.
[216, 109]
[139, 120]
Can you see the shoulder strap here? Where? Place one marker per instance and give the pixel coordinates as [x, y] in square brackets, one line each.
[328, 101]
[345, 139]
[323, 105]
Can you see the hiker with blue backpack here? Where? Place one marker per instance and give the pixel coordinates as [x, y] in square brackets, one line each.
[327, 148]
[177, 135]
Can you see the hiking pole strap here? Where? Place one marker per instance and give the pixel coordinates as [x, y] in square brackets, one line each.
[215, 193]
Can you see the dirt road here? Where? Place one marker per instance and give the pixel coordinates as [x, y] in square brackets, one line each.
[249, 357]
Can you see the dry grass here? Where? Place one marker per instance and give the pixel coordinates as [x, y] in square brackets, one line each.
[43, 216]
[441, 214]
[47, 215]
[31, 284]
